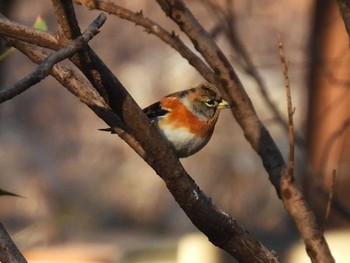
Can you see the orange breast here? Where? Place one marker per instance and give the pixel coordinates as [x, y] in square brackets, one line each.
[181, 117]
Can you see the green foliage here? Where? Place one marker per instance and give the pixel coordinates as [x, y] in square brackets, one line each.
[40, 24]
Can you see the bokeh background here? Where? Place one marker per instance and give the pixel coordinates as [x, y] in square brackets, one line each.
[82, 185]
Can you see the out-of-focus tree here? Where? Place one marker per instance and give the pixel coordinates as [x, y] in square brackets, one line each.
[328, 118]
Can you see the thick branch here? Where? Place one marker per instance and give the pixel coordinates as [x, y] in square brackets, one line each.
[219, 226]
[8, 250]
[254, 130]
[221, 229]
[43, 70]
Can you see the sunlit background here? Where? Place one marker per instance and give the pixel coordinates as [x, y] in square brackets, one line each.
[86, 192]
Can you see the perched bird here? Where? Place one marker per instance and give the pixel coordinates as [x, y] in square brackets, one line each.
[187, 118]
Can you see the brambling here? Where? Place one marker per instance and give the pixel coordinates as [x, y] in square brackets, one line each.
[187, 118]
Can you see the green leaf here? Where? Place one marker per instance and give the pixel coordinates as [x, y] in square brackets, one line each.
[40, 24]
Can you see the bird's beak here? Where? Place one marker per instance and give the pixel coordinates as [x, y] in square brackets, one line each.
[223, 105]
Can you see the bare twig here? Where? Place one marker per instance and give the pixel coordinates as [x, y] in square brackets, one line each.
[8, 250]
[255, 132]
[27, 34]
[330, 201]
[186, 192]
[227, 19]
[304, 219]
[152, 27]
[289, 108]
[220, 228]
[43, 70]
[81, 88]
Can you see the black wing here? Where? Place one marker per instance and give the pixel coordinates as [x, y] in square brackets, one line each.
[155, 110]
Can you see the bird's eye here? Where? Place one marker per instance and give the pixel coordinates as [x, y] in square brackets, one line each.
[210, 102]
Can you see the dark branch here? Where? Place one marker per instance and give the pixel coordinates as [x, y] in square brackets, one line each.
[8, 250]
[254, 130]
[43, 70]
[152, 27]
[344, 6]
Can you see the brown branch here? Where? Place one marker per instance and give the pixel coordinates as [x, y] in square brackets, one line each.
[226, 17]
[152, 27]
[305, 220]
[82, 89]
[254, 130]
[27, 34]
[43, 70]
[68, 27]
[290, 109]
[221, 229]
[9, 253]
[344, 7]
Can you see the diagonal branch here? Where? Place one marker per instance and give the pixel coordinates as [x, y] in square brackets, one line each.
[254, 130]
[14, 30]
[8, 250]
[43, 70]
[305, 220]
[81, 88]
[227, 18]
[221, 229]
[152, 27]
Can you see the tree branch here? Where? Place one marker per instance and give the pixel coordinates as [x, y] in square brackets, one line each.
[43, 70]
[305, 219]
[152, 27]
[221, 229]
[226, 17]
[254, 130]
[344, 7]
[30, 35]
[8, 250]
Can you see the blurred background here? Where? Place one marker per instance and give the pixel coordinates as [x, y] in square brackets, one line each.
[87, 189]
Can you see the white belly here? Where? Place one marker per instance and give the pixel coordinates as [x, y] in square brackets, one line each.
[184, 142]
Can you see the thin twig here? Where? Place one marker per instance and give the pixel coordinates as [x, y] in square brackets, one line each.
[304, 218]
[289, 107]
[220, 228]
[43, 70]
[82, 89]
[154, 28]
[330, 201]
[27, 34]
[226, 17]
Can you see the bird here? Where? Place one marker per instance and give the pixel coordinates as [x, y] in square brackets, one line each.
[187, 118]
